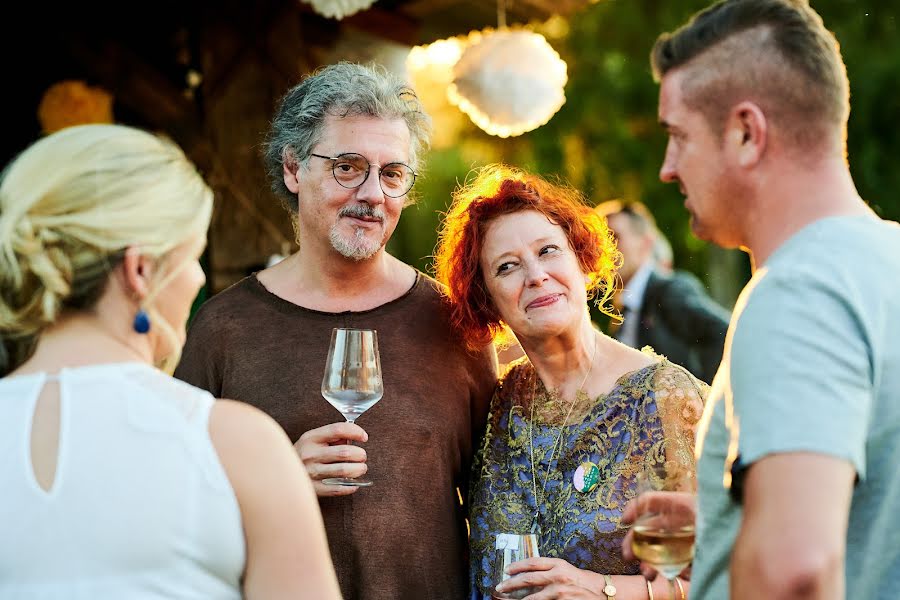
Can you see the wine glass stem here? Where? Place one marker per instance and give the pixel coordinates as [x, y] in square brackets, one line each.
[349, 442]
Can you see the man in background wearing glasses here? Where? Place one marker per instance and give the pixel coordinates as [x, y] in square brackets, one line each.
[342, 153]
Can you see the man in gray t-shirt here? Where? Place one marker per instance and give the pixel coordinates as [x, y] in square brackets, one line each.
[812, 370]
[800, 436]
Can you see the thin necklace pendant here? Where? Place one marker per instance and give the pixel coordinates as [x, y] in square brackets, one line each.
[555, 449]
[536, 525]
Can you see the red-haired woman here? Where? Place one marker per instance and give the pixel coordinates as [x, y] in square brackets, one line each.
[574, 421]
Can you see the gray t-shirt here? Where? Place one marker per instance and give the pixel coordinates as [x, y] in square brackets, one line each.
[812, 364]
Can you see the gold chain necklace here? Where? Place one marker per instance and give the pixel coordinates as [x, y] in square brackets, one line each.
[535, 521]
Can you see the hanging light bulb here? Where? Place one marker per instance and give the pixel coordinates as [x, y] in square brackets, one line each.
[338, 9]
[508, 81]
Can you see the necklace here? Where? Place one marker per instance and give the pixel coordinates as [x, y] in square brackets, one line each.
[535, 521]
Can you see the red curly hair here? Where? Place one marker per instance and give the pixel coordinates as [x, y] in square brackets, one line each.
[499, 190]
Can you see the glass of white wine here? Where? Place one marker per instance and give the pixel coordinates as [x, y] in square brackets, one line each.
[352, 382]
[510, 548]
[664, 530]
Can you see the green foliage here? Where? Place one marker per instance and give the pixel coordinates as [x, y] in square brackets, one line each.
[605, 140]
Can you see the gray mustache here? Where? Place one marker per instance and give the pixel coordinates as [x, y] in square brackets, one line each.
[361, 210]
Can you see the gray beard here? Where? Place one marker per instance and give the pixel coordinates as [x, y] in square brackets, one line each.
[358, 247]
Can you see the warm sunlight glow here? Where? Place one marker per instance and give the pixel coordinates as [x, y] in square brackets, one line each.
[430, 70]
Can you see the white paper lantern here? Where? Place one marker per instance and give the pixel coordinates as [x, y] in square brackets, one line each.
[338, 9]
[509, 81]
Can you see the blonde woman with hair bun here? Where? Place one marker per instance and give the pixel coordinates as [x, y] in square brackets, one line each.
[119, 481]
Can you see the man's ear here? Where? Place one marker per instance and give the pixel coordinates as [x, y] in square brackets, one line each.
[747, 133]
[138, 272]
[290, 169]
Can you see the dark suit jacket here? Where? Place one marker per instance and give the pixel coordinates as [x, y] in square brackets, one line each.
[680, 320]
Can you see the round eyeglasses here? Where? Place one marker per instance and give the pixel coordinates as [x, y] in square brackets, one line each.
[351, 171]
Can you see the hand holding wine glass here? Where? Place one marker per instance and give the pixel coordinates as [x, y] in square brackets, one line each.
[352, 382]
[512, 548]
[663, 514]
[332, 451]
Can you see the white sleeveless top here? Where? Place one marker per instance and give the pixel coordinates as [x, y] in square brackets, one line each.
[140, 507]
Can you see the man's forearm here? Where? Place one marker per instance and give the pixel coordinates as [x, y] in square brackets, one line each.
[766, 568]
[792, 540]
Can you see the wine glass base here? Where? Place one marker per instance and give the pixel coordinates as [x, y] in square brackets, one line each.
[347, 482]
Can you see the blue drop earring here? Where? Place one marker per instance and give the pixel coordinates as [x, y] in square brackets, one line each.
[141, 321]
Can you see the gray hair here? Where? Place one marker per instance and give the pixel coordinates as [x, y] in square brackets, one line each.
[342, 90]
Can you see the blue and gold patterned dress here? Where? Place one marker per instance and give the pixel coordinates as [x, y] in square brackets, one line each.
[649, 416]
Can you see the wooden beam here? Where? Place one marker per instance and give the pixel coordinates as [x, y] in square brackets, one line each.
[391, 25]
[135, 83]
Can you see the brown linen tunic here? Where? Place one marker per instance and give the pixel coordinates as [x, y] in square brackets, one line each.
[404, 537]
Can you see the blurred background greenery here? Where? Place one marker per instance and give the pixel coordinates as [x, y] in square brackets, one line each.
[209, 73]
[605, 140]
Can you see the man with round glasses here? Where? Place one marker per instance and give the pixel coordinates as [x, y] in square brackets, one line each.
[351, 171]
[342, 153]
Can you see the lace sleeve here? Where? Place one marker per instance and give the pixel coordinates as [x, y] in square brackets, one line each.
[679, 399]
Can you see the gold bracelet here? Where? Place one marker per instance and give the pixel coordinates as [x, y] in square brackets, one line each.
[649, 589]
[680, 588]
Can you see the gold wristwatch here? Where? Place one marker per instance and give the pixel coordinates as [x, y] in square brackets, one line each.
[609, 589]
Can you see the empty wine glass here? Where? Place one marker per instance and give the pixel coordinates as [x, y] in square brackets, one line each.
[352, 382]
[664, 530]
[510, 548]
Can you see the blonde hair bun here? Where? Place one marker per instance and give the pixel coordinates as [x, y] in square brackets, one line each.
[69, 206]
